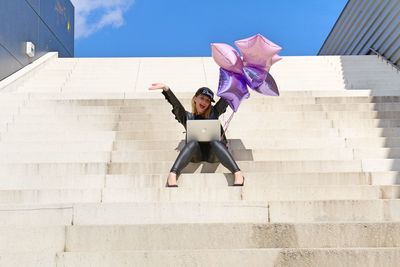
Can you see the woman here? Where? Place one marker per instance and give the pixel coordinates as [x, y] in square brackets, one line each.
[203, 151]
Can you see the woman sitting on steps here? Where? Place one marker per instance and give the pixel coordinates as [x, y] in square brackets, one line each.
[199, 151]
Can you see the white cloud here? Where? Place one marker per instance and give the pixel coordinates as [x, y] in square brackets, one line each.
[108, 13]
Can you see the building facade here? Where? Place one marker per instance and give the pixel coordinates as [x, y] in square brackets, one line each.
[47, 24]
[365, 26]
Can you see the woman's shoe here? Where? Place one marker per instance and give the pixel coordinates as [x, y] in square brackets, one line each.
[171, 185]
[242, 184]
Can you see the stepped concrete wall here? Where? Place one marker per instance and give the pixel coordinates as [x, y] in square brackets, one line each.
[85, 150]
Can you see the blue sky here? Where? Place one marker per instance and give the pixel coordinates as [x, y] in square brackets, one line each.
[178, 28]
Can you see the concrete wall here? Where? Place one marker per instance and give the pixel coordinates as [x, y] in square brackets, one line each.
[49, 24]
[366, 24]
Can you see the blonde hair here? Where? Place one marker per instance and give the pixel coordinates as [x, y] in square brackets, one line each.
[194, 110]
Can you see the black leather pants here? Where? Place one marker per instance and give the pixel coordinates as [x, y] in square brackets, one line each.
[204, 151]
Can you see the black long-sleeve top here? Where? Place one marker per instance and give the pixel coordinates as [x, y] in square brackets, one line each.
[181, 115]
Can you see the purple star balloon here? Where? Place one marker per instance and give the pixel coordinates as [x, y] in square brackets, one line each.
[260, 81]
[232, 88]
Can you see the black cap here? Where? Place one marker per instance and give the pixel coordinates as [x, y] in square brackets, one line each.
[207, 92]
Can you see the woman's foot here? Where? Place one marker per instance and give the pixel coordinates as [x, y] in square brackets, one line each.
[239, 179]
[171, 181]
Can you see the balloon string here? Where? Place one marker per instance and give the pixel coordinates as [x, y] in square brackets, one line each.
[225, 128]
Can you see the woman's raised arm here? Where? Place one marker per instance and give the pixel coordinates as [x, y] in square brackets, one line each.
[177, 109]
[157, 86]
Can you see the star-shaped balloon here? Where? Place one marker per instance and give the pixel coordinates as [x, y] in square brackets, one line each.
[227, 57]
[232, 88]
[257, 51]
[236, 74]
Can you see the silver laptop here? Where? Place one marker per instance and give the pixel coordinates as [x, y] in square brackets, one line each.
[203, 130]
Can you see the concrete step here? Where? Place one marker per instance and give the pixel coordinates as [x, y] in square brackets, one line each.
[356, 107]
[124, 143]
[96, 135]
[385, 178]
[164, 166]
[174, 139]
[35, 214]
[341, 93]
[60, 136]
[334, 210]
[171, 125]
[140, 117]
[75, 116]
[360, 107]
[358, 99]
[35, 109]
[358, 257]
[54, 157]
[268, 154]
[170, 212]
[234, 212]
[32, 239]
[141, 99]
[247, 193]
[34, 259]
[53, 146]
[366, 123]
[258, 166]
[253, 179]
[267, 124]
[289, 97]
[62, 126]
[71, 114]
[369, 132]
[50, 196]
[377, 153]
[54, 169]
[167, 155]
[232, 133]
[159, 100]
[81, 95]
[261, 179]
[196, 180]
[390, 142]
[250, 154]
[344, 115]
[377, 165]
[63, 181]
[165, 108]
[206, 194]
[103, 238]
[256, 142]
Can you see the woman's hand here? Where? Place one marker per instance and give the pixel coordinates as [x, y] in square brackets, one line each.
[157, 86]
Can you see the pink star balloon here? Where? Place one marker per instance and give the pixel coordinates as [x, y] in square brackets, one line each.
[258, 51]
[275, 59]
[227, 57]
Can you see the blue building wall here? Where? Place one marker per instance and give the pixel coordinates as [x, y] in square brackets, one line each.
[49, 24]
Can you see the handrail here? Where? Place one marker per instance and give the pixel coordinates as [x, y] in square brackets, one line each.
[383, 57]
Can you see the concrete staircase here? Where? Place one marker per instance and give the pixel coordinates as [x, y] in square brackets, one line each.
[85, 149]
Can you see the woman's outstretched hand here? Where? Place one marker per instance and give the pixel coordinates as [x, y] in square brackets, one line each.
[157, 86]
